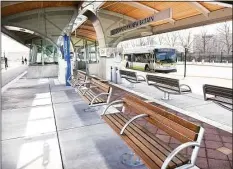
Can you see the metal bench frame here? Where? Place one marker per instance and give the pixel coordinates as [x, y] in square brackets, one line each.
[76, 81]
[194, 144]
[96, 96]
[132, 79]
[225, 105]
[167, 92]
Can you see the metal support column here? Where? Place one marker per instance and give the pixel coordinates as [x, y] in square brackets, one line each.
[42, 52]
[67, 57]
[86, 56]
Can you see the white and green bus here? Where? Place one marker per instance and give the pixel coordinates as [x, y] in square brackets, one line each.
[158, 59]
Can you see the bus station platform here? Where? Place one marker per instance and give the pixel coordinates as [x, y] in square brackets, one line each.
[44, 126]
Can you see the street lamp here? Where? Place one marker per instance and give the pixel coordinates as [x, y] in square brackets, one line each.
[185, 54]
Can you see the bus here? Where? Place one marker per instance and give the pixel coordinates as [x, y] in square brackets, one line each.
[158, 59]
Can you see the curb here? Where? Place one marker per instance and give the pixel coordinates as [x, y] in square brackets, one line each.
[4, 88]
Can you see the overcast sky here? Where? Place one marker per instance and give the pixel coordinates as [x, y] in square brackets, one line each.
[9, 45]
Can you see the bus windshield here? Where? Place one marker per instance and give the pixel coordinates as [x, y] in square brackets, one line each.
[165, 55]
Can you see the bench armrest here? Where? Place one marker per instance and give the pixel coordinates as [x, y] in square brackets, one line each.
[141, 77]
[111, 104]
[196, 145]
[98, 96]
[186, 86]
[132, 119]
[82, 84]
[176, 151]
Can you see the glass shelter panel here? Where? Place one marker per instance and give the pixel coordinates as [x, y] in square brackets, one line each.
[43, 52]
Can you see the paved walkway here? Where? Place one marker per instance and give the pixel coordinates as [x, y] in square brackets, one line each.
[11, 73]
[44, 126]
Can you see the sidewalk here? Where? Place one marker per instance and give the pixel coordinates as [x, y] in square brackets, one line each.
[10, 74]
[44, 126]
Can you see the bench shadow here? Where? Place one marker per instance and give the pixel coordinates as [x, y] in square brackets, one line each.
[111, 151]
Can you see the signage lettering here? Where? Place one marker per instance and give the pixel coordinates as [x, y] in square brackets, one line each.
[166, 14]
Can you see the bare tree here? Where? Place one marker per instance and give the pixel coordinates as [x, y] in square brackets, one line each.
[225, 38]
[171, 39]
[150, 40]
[203, 40]
[160, 39]
[185, 39]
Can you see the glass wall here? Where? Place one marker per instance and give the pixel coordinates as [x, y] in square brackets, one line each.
[43, 52]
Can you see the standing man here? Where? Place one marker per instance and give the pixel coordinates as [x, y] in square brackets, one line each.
[22, 60]
[25, 60]
[6, 62]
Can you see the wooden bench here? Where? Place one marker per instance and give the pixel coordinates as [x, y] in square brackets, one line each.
[154, 152]
[168, 85]
[219, 95]
[78, 79]
[131, 77]
[98, 78]
[97, 93]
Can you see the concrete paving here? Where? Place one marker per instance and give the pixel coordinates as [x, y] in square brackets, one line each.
[29, 135]
[45, 126]
[38, 152]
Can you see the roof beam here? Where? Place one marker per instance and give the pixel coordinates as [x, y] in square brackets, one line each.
[172, 21]
[221, 15]
[117, 15]
[108, 5]
[200, 8]
[140, 6]
[224, 4]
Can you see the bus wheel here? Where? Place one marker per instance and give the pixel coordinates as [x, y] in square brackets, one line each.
[127, 65]
[147, 68]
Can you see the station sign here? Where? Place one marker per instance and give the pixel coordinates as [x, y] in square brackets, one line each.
[107, 52]
[160, 16]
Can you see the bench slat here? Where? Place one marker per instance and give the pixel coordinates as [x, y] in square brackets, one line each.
[166, 150]
[90, 94]
[175, 126]
[174, 83]
[158, 149]
[154, 154]
[149, 149]
[103, 86]
[147, 160]
[220, 99]
[218, 91]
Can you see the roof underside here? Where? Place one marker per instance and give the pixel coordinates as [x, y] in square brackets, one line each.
[142, 9]
[46, 19]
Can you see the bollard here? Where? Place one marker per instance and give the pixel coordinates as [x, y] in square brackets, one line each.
[116, 73]
[111, 73]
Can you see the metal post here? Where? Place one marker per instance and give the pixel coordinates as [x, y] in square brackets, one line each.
[185, 53]
[42, 53]
[86, 56]
[221, 58]
[111, 73]
[116, 74]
